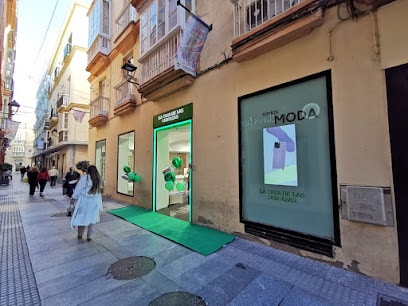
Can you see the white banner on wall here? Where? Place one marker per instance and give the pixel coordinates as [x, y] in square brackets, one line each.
[11, 129]
[192, 42]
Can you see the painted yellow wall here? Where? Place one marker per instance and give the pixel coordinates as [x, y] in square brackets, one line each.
[362, 145]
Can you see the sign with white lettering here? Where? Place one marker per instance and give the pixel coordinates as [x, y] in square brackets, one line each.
[172, 116]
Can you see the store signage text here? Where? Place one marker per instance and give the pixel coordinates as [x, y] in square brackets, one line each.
[172, 115]
[281, 195]
[309, 111]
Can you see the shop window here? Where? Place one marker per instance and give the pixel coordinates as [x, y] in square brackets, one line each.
[100, 157]
[126, 157]
[288, 182]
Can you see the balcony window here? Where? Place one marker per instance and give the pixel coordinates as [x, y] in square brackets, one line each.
[127, 16]
[264, 25]
[251, 14]
[99, 20]
[68, 47]
[99, 31]
[62, 101]
[159, 20]
[99, 111]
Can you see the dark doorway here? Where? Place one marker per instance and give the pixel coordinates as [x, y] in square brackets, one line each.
[397, 95]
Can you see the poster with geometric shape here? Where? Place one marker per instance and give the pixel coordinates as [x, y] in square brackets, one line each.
[280, 157]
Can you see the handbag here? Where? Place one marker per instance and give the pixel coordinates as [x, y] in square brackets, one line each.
[71, 208]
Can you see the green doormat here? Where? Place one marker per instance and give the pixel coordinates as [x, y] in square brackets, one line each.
[201, 239]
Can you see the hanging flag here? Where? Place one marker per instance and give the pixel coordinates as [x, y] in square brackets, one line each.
[11, 128]
[192, 42]
[79, 115]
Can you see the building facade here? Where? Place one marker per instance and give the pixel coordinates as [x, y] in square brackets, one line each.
[62, 109]
[8, 107]
[276, 119]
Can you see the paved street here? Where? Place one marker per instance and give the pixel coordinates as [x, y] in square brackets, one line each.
[43, 263]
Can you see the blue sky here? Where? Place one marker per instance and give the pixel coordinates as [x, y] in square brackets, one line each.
[35, 44]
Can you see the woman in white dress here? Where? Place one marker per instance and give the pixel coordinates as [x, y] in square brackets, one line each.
[89, 202]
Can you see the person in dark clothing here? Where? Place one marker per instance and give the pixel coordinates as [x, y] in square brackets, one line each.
[23, 170]
[43, 178]
[32, 175]
[71, 179]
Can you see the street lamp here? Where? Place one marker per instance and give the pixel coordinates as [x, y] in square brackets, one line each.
[13, 107]
[129, 73]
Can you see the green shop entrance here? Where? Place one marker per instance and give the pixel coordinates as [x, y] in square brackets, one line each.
[172, 179]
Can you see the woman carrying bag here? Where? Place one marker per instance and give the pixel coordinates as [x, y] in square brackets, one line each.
[89, 202]
[71, 179]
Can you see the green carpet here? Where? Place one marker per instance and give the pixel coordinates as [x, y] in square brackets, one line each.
[201, 239]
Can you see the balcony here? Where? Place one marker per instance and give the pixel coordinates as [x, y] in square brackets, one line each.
[53, 118]
[98, 55]
[62, 101]
[157, 69]
[126, 29]
[263, 25]
[125, 99]
[99, 111]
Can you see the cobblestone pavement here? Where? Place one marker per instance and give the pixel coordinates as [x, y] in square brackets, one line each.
[43, 263]
[17, 281]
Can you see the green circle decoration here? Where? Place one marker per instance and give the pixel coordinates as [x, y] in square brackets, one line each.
[169, 185]
[180, 186]
[177, 162]
[131, 176]
[126, 169]
[170, 177]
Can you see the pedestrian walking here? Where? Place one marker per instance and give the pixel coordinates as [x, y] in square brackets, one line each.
[88, 202]
[53, 173]
[43, 178]
[71, 179]
[32, 175]
[23, 171]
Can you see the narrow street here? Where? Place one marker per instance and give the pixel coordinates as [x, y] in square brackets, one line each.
[43, 263]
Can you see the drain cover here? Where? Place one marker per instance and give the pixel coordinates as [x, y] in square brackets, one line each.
[384, 300]
[178, 298]
[63, 214]
[131, 267]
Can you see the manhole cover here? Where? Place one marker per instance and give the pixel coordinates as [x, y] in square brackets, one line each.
[63, 214]
[132, 267]
[178, 298]
[384, 300]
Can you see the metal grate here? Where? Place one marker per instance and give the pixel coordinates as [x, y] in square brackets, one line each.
[384, 300]
[131, 267]
[178, 298]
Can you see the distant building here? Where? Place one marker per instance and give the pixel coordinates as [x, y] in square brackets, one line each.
[62, 111]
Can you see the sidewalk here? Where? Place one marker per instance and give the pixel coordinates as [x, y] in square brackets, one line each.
[43, 263]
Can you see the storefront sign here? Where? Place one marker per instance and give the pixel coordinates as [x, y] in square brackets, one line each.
[172, 116]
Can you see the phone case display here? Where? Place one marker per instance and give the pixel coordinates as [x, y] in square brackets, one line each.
[279, 152]
[280, 156]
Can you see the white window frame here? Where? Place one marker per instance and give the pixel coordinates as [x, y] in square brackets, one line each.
[96, 23]
[149, 22]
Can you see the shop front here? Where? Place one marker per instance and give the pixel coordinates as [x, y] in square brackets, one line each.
[288, 187]
[172, 156]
